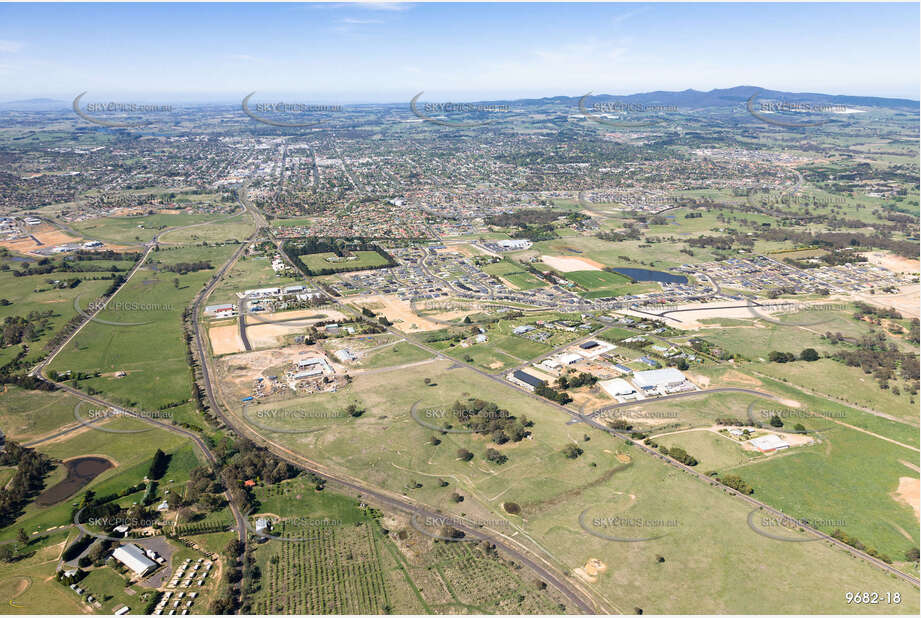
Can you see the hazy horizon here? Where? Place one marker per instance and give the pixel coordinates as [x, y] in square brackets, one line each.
[386, 53]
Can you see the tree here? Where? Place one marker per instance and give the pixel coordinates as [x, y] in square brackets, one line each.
[776, 422]
[495, 456]
[809, 354]
[464, 455]
[22, 537]
[800, 428]
[912, 554]
[572, 451]
[456, 497]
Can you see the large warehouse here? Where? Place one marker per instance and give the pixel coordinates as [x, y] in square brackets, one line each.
[662, 380]
[134, 558]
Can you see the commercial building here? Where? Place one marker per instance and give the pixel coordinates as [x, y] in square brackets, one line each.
[135, 559]
[524, 379]
[663, 380]
[617, 387]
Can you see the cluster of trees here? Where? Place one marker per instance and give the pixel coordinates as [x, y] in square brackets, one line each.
[526, 217]
[678, 454]
[874, 354]
[583, 379]
[241, 460]
[29, 478]
[183, 268]
[735, 482]
[808, 354]
[572, 451]
[158, 465]
[561, 397]
[856, 544]
[630, 232]
[486, 418]
[339, 247]
[17, 329]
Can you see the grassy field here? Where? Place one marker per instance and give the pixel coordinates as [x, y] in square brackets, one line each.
[26, 586]
[711, 540]
[366, 259]
[832, 480]
[397, 354]
[136, 229]
[153, 353]
[34, 293]
[231, 229]
[840, 381]
[713, 451]
[514, 274]
[25, 415]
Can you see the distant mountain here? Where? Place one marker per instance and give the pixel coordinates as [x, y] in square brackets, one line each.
[35, 105]
[730, 97]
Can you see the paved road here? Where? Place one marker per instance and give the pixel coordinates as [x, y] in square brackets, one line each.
[576, 596]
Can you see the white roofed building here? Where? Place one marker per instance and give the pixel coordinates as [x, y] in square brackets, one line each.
[134, 558]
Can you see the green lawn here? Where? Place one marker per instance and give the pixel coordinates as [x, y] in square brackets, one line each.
[848, 383]
[152, 353]
[135, 229]
[26, 415]
[389, 449]
[712, 451]
[514, 274]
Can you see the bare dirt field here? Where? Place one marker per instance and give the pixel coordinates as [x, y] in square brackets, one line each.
[47, 235]
[905, 302]
[262, 335]
[401, 314]
[465, 250]
[895, 263]
[225, 339]
[592, 569]
[570, 264]
[908, 492]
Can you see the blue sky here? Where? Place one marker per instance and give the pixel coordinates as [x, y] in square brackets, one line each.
[351, 53]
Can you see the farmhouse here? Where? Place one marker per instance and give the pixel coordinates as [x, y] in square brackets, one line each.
[134, 558]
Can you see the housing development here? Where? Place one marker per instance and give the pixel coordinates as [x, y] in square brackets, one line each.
[601, 354]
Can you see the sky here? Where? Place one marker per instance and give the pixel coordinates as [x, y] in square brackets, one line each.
[354, 53]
